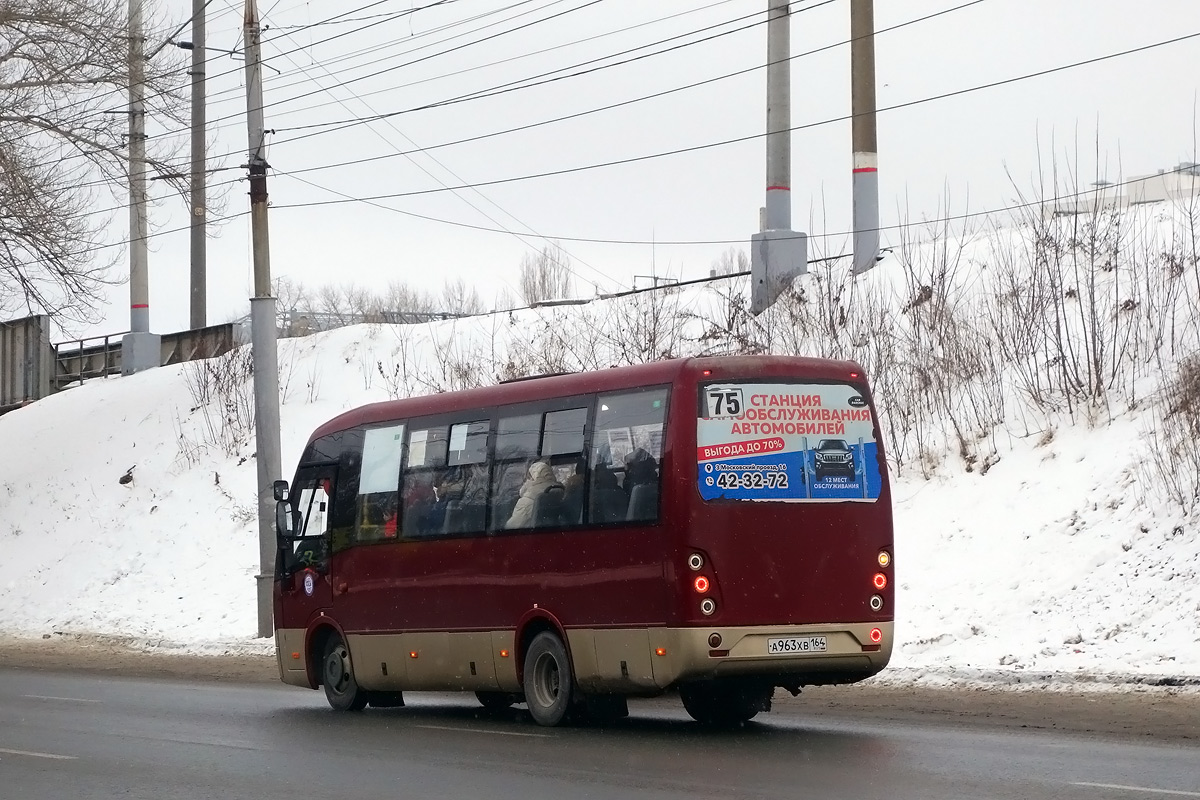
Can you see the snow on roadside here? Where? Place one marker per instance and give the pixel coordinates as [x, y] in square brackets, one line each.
[1053, 566]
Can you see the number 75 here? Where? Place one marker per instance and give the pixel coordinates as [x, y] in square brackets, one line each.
[724, 402]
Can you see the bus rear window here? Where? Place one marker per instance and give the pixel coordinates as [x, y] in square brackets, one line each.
[786, 442]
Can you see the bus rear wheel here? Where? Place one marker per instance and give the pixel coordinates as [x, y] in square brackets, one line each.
[337, 674]
[549, 682]
[718, 703]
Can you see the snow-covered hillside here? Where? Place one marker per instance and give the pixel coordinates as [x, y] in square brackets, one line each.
[1034, 542]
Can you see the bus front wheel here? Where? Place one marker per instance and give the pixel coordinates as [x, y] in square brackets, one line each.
[549, 683]
[337, 674]
[718, 703]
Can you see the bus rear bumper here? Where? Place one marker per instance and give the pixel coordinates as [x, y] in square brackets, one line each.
[811, 654]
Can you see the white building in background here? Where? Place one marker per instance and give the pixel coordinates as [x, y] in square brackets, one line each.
[1178, 183]
[1175, 184]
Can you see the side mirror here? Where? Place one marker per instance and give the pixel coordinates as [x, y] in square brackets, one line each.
[280, 490]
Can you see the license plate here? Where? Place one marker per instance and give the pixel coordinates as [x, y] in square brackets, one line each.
[796, 644]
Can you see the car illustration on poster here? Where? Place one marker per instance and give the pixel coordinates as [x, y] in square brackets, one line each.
[833, 457]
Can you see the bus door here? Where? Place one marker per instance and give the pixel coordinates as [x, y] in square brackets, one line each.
[304, 553]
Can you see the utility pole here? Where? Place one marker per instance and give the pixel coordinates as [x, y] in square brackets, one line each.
[777, 253]
[140, 349]
[262, 326]
[866, 147]
[199, 300]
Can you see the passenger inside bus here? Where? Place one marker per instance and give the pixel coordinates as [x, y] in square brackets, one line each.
[607, 502]
[573, 492]
[641, 483]
[541, 477]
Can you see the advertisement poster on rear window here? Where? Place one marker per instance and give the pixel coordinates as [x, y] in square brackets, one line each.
[786, 442]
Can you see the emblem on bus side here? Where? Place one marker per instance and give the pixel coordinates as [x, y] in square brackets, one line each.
[308, 583]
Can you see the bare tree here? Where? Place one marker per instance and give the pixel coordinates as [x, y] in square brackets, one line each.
[460, 298]
[63, 82]
[402, 298]
[545, 275]
[731, 262]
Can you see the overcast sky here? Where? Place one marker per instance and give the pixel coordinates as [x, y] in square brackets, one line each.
[1140, 108]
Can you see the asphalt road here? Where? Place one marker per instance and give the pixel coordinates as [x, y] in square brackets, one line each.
[81, 736]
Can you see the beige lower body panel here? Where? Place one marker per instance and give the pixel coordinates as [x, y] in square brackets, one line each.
[688, 655]
[433, 661]
[605, 660]
[289, 656]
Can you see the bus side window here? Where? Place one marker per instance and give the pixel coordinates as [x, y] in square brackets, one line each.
[627, 457]
[516, 448]
[377, 493]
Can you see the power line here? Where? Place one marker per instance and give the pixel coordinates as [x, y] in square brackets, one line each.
[637, 159]
[752, 137]
[619, 104]
[480, 96]
[457, 194]
[523, 55]
[119, 91]
[496, 90]
[511, 86]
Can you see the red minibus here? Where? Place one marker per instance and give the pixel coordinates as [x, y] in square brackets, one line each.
[718, 527]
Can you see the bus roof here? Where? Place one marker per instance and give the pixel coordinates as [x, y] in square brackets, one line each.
[565, 385]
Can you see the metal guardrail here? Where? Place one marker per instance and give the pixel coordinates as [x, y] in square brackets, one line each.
[296, 322]
[77, 360]
[31, 368]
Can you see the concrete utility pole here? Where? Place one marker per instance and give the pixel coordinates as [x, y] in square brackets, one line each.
[140, 349]
[777, 253]
[199, 307]
[866, 148]
[262, 326]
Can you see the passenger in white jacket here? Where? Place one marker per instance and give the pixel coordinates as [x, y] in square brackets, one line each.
[540, 477]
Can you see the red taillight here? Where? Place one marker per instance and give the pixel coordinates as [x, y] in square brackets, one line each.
[853, 374]
[880, 581]
[876, 635]
[700, 584]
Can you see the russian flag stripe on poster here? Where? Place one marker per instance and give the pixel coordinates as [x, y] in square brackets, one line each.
[736, 449]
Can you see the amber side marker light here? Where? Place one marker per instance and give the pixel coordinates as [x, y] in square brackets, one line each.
[885, 558]
[876, 635]
[880, 580]
[296, 656]
[700, 584]
[660, 651]
[412, 654]
[504, 654]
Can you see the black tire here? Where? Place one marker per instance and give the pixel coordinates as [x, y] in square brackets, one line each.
[495, 702]
[725, 704]
[549, 682]
[337, 675]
